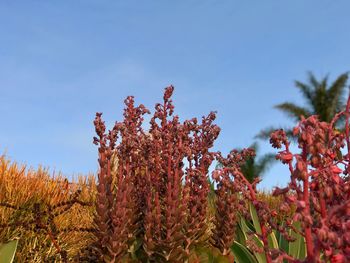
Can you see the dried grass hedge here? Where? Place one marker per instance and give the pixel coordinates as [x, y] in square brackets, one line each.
[50, 217]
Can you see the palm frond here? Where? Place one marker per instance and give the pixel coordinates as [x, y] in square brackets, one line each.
[254, 146]
[265, 162]
[290, 136]
[324, 83]
[320, 103]
[293, 110]
[313, 81]
[248, 169]
[335, 93]
[322, 100]
[306, 90]
[265, 133]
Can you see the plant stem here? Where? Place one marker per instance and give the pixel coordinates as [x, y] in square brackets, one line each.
[306, 199]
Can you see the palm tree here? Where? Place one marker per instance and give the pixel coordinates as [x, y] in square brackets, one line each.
[255, 167]
[321, 99]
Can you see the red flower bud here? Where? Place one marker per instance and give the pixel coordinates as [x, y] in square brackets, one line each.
[291, 198]
[285, 157]
[295, 131]
[339, 258]
[301, 204]
[335, 169]
[273, 213]
[300, 166]
[336, 178]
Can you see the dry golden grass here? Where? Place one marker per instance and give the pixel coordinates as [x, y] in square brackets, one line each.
[22, 187]
[274, 203]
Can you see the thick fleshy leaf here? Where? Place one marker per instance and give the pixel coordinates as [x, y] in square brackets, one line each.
[242, 254]
[205, 254]
[8, 251]
[255, 218]
[240, 237]
[282, 243]
[261, 258]
[272, 240]
[297, 248]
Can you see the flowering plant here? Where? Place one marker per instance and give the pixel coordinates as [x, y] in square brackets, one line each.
[152, 200]
[318, 191]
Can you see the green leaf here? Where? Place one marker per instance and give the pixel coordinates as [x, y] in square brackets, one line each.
[221, 259]
[209, 255]
[302, 253]
[294, 111]
[259, 256]
[244, 227]
[135, 247]
[297, 248]
[255, 218]
[250, 225]
[8, 251]
[282, 242]
[240, 237]
[272, 240]
[242, 254]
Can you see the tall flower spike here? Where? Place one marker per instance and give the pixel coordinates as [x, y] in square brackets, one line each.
[318, 188]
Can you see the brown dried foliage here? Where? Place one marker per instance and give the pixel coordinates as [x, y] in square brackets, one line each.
[51, 217]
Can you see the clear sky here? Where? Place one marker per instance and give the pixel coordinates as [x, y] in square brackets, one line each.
[61, 61]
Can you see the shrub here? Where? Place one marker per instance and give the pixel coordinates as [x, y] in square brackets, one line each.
[43, 212]
[154, 201]
[319, 191]
[155, 204]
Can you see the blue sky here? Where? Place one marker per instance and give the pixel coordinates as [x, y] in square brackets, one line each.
[61, 61]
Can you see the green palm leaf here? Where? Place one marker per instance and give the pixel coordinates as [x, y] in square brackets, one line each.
[335, 94]
[293, 110]
[321, 100]
[306, 91]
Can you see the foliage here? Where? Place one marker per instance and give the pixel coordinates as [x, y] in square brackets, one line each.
[8, 251]
[274, 203]
[43, 212]
[250, 232]
[254, 167]
[154, 202]
[319, 190]
[157, 197]
[322, 99]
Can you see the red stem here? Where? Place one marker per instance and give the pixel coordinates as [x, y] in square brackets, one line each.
[322, 205]
[347, 124]
[291, 170]
[306, 199]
